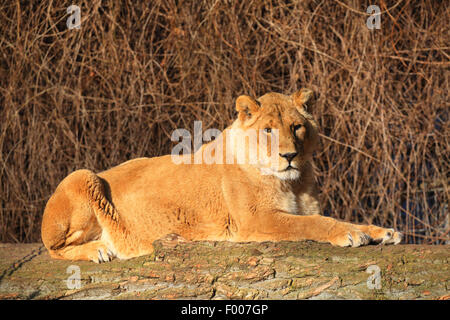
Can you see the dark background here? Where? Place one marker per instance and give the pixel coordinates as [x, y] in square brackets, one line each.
[136, 70]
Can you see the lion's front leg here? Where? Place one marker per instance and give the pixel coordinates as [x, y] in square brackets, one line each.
[281, 226]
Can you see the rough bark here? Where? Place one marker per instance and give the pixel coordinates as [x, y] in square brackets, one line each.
[224, 270]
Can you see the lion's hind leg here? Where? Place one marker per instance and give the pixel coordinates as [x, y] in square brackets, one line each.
[70, 227]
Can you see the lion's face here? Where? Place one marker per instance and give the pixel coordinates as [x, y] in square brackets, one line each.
[284, 121]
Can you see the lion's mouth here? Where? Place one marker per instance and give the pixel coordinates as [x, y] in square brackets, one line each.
[289, 167]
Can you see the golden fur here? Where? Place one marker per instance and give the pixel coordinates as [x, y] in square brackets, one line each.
[121, 211]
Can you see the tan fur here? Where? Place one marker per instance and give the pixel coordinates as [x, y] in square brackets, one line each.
[121, 211]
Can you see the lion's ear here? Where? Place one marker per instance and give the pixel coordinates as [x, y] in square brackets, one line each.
[302, 99]
[246, 106]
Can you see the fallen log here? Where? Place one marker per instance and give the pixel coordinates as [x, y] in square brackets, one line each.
[225, 270]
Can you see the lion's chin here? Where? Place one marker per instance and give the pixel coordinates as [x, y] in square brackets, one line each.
[290, 174]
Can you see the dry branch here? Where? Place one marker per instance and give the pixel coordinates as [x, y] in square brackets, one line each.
[135, 71]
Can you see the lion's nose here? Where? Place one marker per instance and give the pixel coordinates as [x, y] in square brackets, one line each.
[288, 156]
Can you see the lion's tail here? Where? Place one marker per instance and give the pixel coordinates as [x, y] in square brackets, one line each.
[114, 228]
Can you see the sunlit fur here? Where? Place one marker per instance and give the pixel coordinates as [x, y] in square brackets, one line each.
[120, 212]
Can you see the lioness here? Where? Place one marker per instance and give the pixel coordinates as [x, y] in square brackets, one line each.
[121, 211]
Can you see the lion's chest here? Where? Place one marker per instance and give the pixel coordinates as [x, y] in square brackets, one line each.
[287, 202]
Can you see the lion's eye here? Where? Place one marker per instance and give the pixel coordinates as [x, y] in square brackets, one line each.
[298, 126]
[268, 130]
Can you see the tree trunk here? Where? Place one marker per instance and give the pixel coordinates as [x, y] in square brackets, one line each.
[224, 270]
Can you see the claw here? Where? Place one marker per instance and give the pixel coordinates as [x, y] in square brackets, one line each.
[100, 256]
[103, 257]
[388, 236]
[399, 239]
[350, 238]
[367, 238]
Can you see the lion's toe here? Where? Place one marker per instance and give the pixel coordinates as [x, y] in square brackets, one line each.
[385, 235]
[351, 238]
[102, 255]
[392, 237]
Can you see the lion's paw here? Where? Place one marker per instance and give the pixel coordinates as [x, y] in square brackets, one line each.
[103, 255]
[387, 236]
[350, 238]
[381, 235]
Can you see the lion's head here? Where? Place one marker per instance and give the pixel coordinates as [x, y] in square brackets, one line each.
[283, 119]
